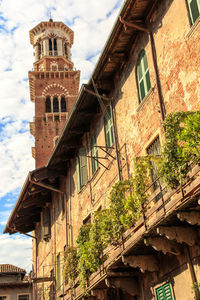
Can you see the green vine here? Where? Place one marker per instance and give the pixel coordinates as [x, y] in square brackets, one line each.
[70, 264]
[182, 146]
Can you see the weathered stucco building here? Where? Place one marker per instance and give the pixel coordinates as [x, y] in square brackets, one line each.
[148, 68]
[14, 284]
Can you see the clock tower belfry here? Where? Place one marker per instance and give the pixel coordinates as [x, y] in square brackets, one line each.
[54, 85]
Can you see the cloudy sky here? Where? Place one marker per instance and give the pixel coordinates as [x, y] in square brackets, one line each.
[91, 21]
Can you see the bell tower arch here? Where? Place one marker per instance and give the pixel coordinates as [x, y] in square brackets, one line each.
[54, 85]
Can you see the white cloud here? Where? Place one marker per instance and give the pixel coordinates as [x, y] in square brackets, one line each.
[16, 250]
[91, 21]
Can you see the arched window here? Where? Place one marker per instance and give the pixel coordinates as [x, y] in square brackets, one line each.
[48, 105]
[54, 44]
[63, 104]
[55, 105]
[194, 10]
[50, 45]
[65, 49]
[39, 49]
[143, 76]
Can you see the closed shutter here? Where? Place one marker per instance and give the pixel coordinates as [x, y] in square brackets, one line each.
[143, 76]
[46, 222]
[94, 153]
[164, 292]
[108, 127]
[194, 9]
[81, 168]
[78, 174]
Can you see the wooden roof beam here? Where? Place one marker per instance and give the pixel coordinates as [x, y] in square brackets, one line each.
[97, 95]
[46, 186]
[137, 26]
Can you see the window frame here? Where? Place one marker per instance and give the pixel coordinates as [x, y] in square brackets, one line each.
[108, 127]
[24, 294]
[162, 288]
[46, 223]
[188, 3]
[7, 296]
[94, 153]
[82, 168]
[141, 62]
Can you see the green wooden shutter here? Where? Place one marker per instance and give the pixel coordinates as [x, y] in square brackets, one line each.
[94, 153]
[143, 76]
[108, 127]
[83, 166]
[78, 174]
[46, 222]
[194, 9]
[164, 292]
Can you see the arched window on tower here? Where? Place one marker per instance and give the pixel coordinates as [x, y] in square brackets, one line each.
[63, 104]
[65, 50]
[50, 45]
[39, 50]
[55, 44]
[55, 105]
[48, 105]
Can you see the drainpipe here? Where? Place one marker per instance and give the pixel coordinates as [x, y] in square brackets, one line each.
[145, 29]
[160, 96]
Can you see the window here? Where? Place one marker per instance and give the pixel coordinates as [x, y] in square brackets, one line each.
[23, 297]
[108, 124]
[194, 10]
[50, 45]
[48, 105]
[66, 50]
[55, 105]
[46, 222]
[55, 44]
[63, 104]
[143, 76]
[87, 221]
[164, 292]
[154, 149]
[39, 49]
[94, 153]
[3, 297]
[82, 175]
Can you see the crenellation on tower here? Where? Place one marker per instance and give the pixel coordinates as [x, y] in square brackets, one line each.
[54, 85]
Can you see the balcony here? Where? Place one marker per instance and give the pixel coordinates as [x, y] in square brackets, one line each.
[165, 226]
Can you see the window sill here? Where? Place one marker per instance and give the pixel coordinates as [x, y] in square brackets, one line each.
[146, 98]
[94, 175]
[83, 188]
[193, 28]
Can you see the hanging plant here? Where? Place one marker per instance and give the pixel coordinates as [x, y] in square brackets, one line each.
[181, 147]
[84, 255]
[70, 264]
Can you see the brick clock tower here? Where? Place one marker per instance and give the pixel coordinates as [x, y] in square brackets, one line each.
[54, 85]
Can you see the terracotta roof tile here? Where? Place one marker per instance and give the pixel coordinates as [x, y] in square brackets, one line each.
[7, 268]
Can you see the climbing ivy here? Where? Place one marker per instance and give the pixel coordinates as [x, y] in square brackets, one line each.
[182, 131]
[70, 264]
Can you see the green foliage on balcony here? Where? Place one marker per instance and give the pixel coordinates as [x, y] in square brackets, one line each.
[182, 146]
